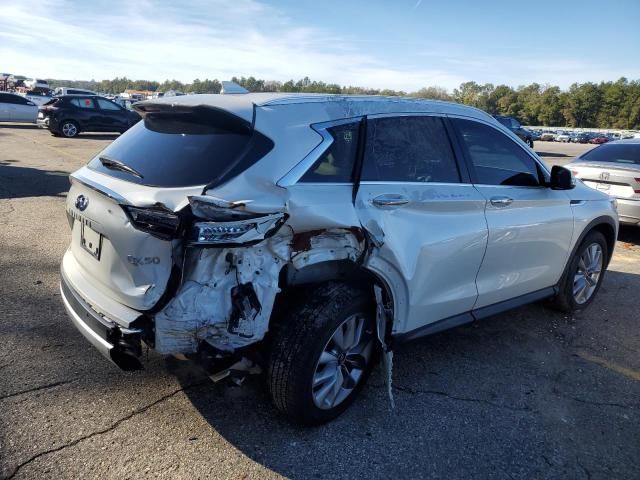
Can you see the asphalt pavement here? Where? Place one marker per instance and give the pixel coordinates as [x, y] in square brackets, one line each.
[531, 393]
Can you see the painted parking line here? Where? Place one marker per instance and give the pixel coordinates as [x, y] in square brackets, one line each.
[627, 372]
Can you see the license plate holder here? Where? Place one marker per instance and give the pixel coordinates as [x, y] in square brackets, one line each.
[603, 187]
[91, 241]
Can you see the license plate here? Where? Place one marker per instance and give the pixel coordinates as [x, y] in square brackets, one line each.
[91, 241]
[40, 115]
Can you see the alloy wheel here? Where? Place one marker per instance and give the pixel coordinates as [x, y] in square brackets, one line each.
[342, 362]
[588, 273]
[69, 130]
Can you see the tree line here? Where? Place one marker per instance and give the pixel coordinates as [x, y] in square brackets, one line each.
[603, 105]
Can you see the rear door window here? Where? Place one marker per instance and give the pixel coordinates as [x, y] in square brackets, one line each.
[84, 103]
[409, 149]
[184, 150]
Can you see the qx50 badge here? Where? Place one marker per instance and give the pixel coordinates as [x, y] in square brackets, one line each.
[82, 203]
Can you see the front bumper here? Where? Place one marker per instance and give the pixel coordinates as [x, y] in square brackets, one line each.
[629, 211]
[120, 345]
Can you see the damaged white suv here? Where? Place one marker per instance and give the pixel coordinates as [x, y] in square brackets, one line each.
[304, 235]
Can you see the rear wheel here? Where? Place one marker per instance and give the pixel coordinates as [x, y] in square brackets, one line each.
[529, 142]
[585, 274]
[69, 129]
[322, 353]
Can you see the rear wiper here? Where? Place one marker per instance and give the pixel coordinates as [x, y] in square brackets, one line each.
[114, 164]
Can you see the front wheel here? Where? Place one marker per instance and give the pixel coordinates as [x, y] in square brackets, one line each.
[529, 142]
[322, 353]
[584, 275]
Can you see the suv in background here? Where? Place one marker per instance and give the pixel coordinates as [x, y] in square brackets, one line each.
[303, 236]
[72, 91]
[512, 124]
[68, 115]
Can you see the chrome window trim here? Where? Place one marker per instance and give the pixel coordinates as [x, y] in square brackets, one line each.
[296, 173]
[512, 136]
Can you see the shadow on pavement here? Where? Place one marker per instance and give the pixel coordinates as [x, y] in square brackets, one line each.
[552, 154]
[494, 393]
[630, 234]
[22, 126]
[19, 182]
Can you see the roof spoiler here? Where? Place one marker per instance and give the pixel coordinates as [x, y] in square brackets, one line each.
[208, 115]
[232, 88]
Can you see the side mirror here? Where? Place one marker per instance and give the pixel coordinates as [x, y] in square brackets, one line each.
[561, 179]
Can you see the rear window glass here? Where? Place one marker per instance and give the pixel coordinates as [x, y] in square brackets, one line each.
[628, 153]
[183, 150]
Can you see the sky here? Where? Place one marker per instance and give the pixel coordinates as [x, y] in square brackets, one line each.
[402, 44]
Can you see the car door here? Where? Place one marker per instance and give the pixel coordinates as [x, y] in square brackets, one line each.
[426, 218]
[5, 108]
[24, 110]
[86, 113]
[530, 225]
[113, 117]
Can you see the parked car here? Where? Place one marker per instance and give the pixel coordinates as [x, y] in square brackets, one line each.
[614, 168]
[72, 91]
[37, 97]
[306, 235]
[125, 102]
[582, 138]
[599, 139]
[36, 83]
[548, 137]
[68, 115]
[512, 124]
[16, 108]
[563, 137]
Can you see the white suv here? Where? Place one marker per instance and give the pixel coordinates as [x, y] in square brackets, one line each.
[308, 234]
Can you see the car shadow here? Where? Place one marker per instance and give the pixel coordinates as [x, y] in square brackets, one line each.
[551, 154]
[460, 391]
[629, 234]
[19, 182]
[98, 136]
[22, 126]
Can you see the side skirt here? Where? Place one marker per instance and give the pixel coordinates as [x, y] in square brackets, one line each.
[477, 314]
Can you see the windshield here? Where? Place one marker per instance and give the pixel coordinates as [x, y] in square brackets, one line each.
[181, 151]
[628, 153]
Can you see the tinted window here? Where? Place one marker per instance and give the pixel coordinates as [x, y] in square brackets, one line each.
[628, 153]
[107, 105]
[496, 158]
[82, 103]
[192, 149]
[13, 99]
[408, 149]
[336, 164]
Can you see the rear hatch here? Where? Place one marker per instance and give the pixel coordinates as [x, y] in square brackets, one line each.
[48, 108]
[613, 169]
[129, 206]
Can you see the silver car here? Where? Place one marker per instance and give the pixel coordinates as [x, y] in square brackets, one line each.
[614, 168]
[16, 108]
[306, 236]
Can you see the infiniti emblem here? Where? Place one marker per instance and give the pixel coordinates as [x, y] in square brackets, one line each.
[82, 203]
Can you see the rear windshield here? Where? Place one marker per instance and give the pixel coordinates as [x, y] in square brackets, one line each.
[182, 151]
[628, 153]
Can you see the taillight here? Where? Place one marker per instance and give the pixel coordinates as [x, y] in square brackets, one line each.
[159, 222]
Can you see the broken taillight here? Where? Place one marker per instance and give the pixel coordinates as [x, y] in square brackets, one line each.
[159, 222]
[236, 232]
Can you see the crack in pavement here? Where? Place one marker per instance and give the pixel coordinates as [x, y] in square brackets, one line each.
[599, 404]
[462, 399]
[35, 389]
[110, 428]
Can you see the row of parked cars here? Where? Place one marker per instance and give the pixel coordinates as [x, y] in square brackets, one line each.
[595, 138]
[69, 113]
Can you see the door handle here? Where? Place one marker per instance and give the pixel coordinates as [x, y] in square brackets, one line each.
[501, 201]
[390, 200]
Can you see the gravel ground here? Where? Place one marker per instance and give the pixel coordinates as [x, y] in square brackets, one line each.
[527, 394]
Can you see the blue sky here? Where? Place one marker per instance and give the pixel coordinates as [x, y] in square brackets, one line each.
[394, 44]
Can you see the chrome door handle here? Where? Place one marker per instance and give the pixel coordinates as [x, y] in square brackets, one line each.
[390, 200]
[501, 201]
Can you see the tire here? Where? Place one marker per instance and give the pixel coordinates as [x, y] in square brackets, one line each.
[529, 142]
[567, 300]
[69, 129]
[302, 346]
